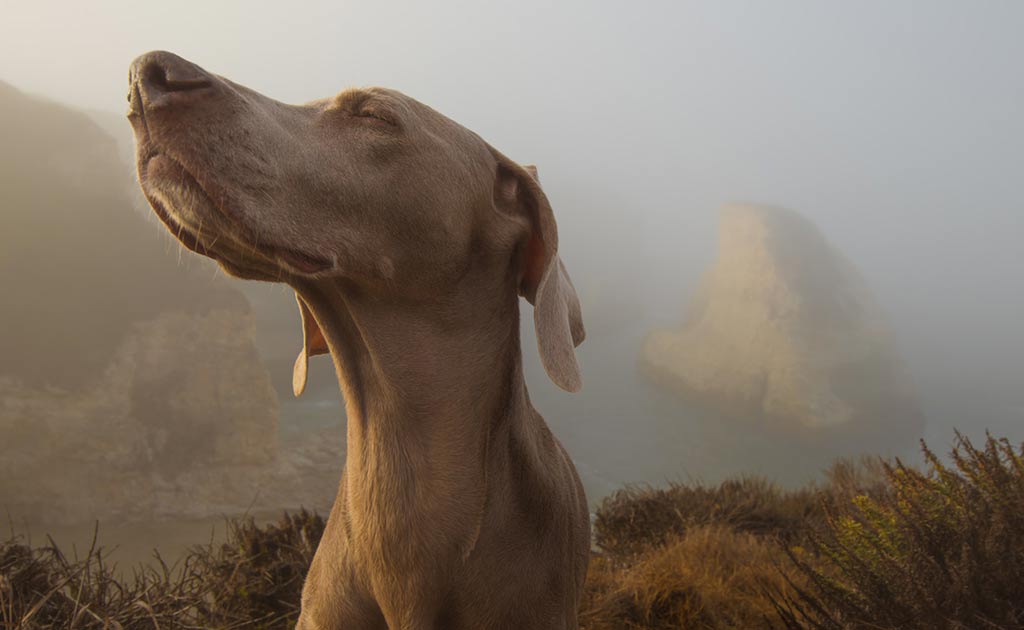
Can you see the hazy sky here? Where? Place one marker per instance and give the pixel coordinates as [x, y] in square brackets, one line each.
[897, 126]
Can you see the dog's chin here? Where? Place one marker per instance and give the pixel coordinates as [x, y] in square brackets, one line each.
[189, 213]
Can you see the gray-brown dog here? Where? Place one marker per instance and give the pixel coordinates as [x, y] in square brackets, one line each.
[408, 241]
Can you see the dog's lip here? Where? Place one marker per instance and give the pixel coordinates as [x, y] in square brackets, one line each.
[298, 260]
[301, 261]
[183, 234]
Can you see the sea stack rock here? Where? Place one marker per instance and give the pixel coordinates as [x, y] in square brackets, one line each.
[783, 329]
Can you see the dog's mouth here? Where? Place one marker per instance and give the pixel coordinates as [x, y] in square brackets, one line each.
[203, 217]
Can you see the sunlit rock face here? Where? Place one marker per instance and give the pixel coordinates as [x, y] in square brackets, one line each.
[784, 329]
[124, 371]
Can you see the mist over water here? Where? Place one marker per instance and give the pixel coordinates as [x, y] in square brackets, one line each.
[895, 127]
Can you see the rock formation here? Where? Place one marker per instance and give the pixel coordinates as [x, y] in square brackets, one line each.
[783, 328]
[122, 369]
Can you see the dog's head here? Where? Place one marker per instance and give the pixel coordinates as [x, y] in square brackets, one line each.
[369, 185]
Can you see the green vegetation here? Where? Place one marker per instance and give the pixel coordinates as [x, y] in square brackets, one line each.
[880, 545]
[942, 548]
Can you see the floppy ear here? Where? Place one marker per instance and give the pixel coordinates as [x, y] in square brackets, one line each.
[544, 282]
[313, 343]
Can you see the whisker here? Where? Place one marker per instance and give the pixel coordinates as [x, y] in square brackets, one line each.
[179, 246]
[199, 236]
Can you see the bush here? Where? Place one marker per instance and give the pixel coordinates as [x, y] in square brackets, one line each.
[943, 548]
[711, 577]
[638, 518]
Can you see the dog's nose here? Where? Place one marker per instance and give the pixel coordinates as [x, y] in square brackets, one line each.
[160, 77]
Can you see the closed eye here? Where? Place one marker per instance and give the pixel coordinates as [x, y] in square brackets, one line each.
[376, 115]
[366, 108]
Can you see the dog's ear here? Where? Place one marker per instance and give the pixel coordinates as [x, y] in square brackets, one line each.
[544, 282]
[313, 343]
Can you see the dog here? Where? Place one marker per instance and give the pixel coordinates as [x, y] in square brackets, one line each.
[408, 241]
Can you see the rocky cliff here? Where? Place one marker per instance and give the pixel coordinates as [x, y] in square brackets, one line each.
[783, 328]
[122, 368]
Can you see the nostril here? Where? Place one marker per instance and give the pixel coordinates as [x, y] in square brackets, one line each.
[156, 75]
[159, 79]
[159, 72]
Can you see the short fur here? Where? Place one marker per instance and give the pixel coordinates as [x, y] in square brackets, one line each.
[408, 241]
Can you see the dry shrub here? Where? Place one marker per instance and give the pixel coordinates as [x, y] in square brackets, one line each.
[638, 518]
[712, 577]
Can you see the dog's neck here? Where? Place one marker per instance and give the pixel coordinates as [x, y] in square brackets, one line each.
[424, 386]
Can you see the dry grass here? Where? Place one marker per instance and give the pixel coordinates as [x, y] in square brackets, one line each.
[712, 577]
[639, 518]
[256, 576]
[253, 581]
[42, 588]
[879, 546]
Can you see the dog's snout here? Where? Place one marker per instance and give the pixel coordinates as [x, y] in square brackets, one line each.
[158, 77]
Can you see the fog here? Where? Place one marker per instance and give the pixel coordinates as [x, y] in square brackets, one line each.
[896, 127]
